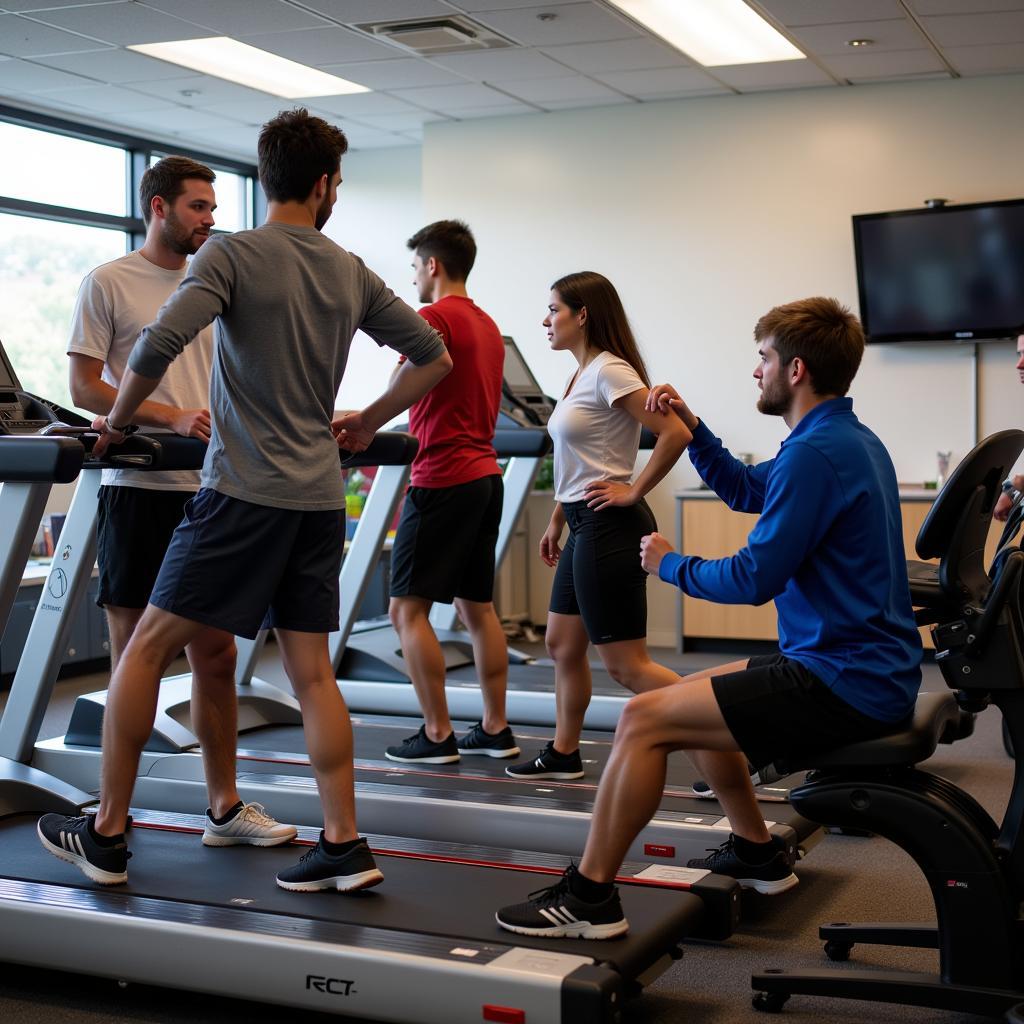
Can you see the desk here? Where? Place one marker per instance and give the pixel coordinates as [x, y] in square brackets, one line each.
[705, 526]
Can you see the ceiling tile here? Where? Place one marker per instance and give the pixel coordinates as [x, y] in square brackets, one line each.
[619, 55]
[108, 99]
[19, 76]
[238, 138]
[322, 45]
[823, 12]
[831, 40]
[661, 82]
[20, 37]
[26, 6]
[116, 66]
[403, 73]
[501, 65]
[772, 75]
[238, 17]
[507, 109]
[413, 121]
[353, 11]
[360, 103]
[495, 5]
[371, 138]
[543, 90]
[979, 60]
[866, 63]
[180, 121]
[123, 24]
[449, 98]
[614, 100]
[204, 90]
[976, 29]
[250, 112]
[573, 23]
[965, 6]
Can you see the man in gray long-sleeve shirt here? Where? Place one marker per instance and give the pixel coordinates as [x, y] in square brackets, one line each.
[267, 529]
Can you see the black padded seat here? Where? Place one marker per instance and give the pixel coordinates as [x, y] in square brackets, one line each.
[935, 715]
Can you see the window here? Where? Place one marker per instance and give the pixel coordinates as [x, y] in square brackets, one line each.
[66, 207]
[42, 264]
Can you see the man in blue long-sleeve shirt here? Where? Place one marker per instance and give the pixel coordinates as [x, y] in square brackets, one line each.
[828, 549]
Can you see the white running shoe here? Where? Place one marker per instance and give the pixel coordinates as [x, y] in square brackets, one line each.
[251, 826]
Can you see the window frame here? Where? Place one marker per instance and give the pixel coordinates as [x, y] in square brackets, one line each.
[137, 152]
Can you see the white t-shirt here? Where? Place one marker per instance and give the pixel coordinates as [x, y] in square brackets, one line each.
[593, 441]
[115, 302]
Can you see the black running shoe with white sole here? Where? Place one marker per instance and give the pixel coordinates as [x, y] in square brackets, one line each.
[549, 764]
[71, 840]
[489, 744]
[557, 914]
[318, 870]
[771, 878]
[420, 749]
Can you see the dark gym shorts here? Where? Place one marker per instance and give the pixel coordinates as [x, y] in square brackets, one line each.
[239, 566]
[133, 528]
[444, 547]
[599, 575]
[779, 711]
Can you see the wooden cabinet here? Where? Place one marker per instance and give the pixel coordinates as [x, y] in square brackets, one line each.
[705, 526]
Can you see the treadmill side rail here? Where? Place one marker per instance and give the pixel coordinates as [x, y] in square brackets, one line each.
[162, 943]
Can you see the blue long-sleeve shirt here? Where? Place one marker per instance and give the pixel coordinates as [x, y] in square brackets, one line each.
[828, 548]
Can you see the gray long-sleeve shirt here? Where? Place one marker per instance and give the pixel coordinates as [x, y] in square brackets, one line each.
[287, 301]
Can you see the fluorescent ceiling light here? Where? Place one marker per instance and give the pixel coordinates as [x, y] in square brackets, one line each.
[712, 32]
[227, 58]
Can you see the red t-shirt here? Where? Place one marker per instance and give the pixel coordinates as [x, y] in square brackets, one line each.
[455, 420]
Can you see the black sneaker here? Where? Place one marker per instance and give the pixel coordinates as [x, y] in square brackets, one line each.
[549, 764]
[769, 879]
[422, 750]
[703, 791]
[556, 913]
[498, 744]
[318, 870]
[70, 840]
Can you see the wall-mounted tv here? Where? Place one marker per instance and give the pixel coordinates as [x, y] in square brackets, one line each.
[941, 273]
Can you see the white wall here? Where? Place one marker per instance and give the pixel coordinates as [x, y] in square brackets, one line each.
[707, 212]
[379, 207]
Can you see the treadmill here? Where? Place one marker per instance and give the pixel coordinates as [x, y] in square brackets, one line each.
[227, 928]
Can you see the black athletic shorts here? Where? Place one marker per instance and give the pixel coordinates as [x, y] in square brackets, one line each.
[133, 528]
[444, 547]
[778, 710]
[239, 566]
[599, 575]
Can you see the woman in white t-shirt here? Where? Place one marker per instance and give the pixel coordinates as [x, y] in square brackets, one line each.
[599, 594]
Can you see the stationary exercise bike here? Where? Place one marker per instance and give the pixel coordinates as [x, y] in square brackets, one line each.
[974, 866]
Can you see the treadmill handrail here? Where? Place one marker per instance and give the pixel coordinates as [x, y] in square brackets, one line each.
[28, 458]
[388, 448]
[530, 442]
[139, 451]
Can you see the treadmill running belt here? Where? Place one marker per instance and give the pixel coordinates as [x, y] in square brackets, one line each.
[421, 896]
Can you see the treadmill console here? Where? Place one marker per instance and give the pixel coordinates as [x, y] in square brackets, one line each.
[24, 413]
[522, 400]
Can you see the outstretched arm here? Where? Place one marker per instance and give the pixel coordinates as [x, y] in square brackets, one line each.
[354, 430]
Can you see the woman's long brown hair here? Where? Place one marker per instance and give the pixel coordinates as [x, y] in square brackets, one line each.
[607, 326]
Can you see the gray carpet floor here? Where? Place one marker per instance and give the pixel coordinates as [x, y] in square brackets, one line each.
[843, 879]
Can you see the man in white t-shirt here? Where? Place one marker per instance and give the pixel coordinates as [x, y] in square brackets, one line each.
[138, 511]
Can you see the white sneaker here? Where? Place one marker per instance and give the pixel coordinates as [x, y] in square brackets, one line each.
[251, 826]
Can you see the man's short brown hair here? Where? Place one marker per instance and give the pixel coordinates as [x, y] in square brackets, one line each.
[823, 333]
[166, 179]
[450, 242]
[295, 151]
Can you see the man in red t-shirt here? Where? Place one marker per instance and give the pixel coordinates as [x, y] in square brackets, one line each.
[444, 549]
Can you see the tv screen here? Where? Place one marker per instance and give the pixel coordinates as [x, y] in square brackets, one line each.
[948, 273]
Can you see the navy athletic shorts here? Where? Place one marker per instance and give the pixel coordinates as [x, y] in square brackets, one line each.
[134, 525]
[239, 566]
